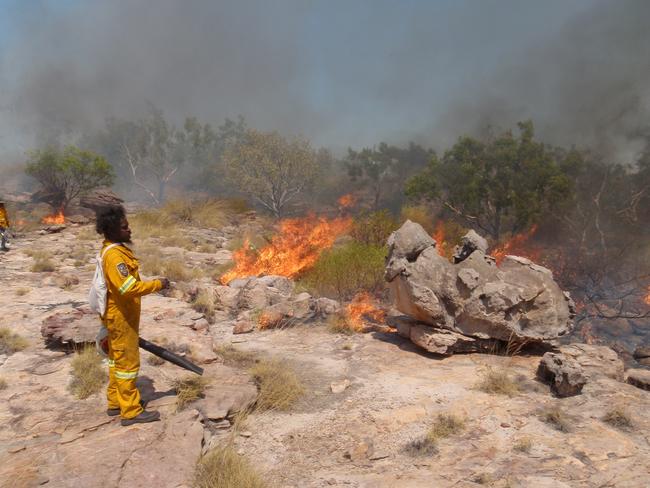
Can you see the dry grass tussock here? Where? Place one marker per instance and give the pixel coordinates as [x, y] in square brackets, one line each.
[11, 342]
[618, 417]
[3, 383]
[22, 291]
[445, 425]
[188, 389]
[88, 373]
[154, 264]
[165, 221]
[555, 417]
[224, 468]
[42, 260]
[525, 444]
[338, 324]
[204, 303]
[235, 357]
[279, 385]
[497, 380]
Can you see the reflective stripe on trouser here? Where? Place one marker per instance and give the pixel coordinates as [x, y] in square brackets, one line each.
[124, 353]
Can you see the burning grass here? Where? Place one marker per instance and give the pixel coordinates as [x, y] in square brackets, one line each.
[11, 342]
[344, 271]
[445, 425]
[88, 373]
[224, 468]
[292, 251]
[497, 381]
[279, 385]
[188, 390]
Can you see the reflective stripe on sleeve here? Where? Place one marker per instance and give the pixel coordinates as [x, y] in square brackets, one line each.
[111, 363]
[126, 375]
[126, 286]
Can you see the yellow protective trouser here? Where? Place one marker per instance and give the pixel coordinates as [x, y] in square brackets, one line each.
[123, 367]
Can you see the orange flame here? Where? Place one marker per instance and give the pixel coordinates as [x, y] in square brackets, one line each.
[360, 309]
[57, 218]
[346, 201]
[647, 297]
[439, 236]
[587, 334]
[294, 250]
[517, 245]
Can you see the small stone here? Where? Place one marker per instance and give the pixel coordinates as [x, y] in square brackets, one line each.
[246, 433]
[505, 425]
[379, 455]
[339, 386]
[201, 324]
[243, 327]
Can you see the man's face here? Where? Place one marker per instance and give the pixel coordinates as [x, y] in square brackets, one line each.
[124, 232]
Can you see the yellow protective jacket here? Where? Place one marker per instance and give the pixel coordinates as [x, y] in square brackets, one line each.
[122, 319]
[4, 218]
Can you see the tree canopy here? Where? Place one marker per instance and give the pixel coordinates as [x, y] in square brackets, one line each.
[270, 168]
[67, 174]
[501, 185]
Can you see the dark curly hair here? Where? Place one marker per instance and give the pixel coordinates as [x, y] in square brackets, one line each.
[109, 219]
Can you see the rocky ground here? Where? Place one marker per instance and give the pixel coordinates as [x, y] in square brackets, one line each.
[368, 396]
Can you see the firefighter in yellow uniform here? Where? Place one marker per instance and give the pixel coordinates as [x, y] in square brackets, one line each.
[4, 227]
[122, 317]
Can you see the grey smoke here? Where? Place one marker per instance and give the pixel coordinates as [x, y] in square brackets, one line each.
[342, 73]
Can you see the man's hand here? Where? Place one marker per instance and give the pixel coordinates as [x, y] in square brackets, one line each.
[165, 283]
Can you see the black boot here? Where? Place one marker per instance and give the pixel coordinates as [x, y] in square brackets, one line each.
[143, 418]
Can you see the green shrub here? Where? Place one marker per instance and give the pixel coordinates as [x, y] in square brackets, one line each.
[373, 228]
[343, 271]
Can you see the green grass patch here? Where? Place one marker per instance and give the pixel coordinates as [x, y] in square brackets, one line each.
[344, 271]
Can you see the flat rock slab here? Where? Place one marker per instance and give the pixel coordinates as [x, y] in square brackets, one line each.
[596, 361]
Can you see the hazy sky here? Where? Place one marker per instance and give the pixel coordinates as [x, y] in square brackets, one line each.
[343, 73]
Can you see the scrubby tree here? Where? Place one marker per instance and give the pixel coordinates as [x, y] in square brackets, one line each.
[501, 185]
[385, 168]
[270, 168]
[67, 174]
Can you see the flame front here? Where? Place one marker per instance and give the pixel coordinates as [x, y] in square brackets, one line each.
[57, 218]
[294, 250]
[346, 201]
[647, 297]
[517, 245]
[441, 243]
[362, 308]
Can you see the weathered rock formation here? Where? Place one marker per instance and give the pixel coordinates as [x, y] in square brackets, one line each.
[99, 199]
[517, 301]
[563, 373]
